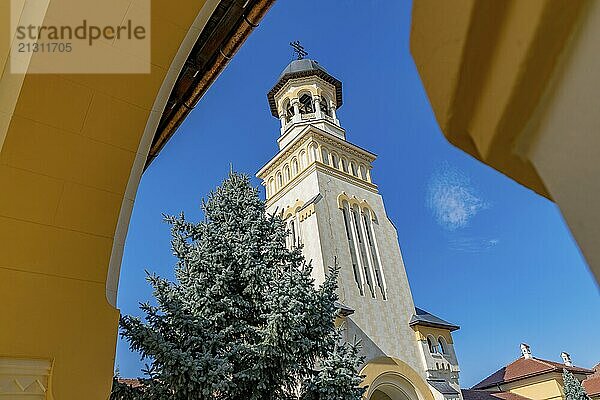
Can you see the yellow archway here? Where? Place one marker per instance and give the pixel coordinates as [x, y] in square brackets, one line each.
[72, 151]
[388, 378]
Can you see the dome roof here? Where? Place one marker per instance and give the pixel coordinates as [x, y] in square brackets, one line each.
[302, 68]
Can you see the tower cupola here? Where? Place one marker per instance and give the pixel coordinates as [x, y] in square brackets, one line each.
[305, 93]
[526, 351]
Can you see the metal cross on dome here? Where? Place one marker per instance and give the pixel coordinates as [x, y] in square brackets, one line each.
[298, 49]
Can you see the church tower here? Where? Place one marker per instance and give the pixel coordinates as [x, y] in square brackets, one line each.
[321, 184]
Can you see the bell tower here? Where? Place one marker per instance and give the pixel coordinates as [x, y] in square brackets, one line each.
[321, 185]
[305, 94]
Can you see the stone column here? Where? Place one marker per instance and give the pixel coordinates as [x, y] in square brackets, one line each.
[297, 117]
[334, 116]
[317, 104]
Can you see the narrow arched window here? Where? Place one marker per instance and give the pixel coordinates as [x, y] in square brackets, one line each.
[324, 106]
[352, 247]
[312, 155]
[373, 252]
[353, 168]
[431, 345]
[344, 165]
[286, 173]
[306, 104]
[325, 155]
[363, 172]
[303, 160]
[362, 250]
[279, 180]
[271, 187]
[294, 167]
[288, 109]
[335, 160]
[443, 345]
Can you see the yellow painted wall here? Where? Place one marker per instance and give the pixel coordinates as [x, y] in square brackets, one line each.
[540, 389]
[68, 145]
[514, 84]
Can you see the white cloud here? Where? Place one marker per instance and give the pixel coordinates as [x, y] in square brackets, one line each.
[452, 198]
[471, 244]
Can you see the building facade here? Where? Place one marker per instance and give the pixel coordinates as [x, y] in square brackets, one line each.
[321, 185]
[532, 378]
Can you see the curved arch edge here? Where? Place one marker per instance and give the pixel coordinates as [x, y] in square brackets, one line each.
[383, 371]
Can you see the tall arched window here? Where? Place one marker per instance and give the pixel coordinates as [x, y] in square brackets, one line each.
[373, 251]
[288, 109]
[362, 249]
[443, 345]
[344, 165]
[325, 155]
[303, 160]
[294, 167]
[279, 180]
[286, 173]
[431, 345]
[335, 161]
[353, 168]
[271, 187]
[352, 247]
[324, 105]
[312, 152]
[363, 172]
[306, 104]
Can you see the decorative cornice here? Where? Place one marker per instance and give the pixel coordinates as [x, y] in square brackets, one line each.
[305, 81]
[308, 122]
[312, 132]
[347, 177]
[301, 74]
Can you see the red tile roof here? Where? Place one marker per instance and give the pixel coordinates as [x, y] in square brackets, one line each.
[592, 383]
[524, 368]
[130, 382]
[470, 394]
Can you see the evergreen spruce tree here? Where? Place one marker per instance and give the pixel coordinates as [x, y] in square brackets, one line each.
[573, 388]
[243, 319]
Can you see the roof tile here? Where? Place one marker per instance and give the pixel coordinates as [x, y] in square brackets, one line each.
[523, 368]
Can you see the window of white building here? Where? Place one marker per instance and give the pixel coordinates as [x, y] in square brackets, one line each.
[352, 247]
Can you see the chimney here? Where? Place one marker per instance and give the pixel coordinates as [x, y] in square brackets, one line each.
[526, 351]
[566, 357]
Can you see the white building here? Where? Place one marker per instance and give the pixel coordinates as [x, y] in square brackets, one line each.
[321, 185]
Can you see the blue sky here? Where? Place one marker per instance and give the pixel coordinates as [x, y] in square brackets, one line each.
[480, 250]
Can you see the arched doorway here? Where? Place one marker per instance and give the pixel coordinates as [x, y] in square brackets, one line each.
[391, 379]
[389, 392]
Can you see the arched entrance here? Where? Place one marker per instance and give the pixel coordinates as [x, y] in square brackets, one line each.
[389, 392]
[391, 379]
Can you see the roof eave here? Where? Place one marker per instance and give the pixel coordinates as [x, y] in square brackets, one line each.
[450, 327]
[301, 74]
